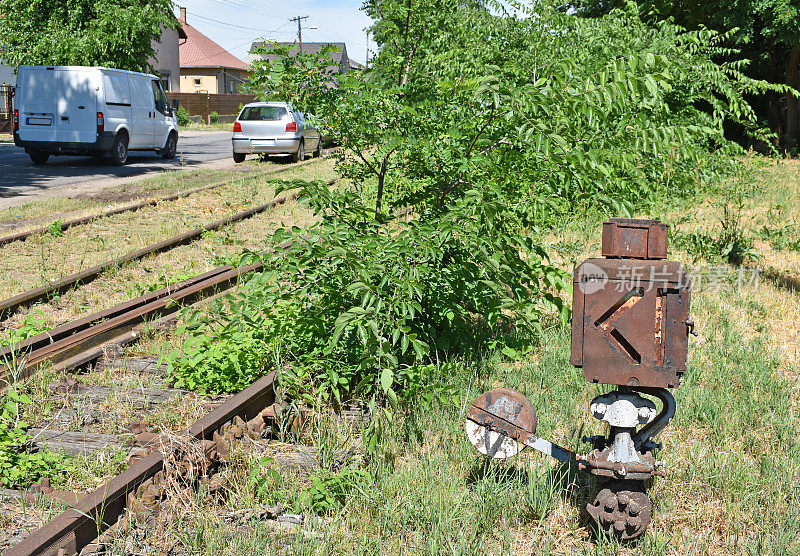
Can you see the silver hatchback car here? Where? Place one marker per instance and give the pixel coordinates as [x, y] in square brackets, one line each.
[274, 128]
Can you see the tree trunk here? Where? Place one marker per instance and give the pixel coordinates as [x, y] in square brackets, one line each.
[381, 180]
[792, 106]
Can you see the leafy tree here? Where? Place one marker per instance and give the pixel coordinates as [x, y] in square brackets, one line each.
[475, 133]
[766, 32]
[115, 33]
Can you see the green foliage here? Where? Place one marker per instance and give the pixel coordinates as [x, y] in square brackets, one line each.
[214, 117]
[55, 228]
[328, 491]
[220, 359]
[113, 33]
[163, 280]
[474, 134]
[363, 307]
[20, 467]
[730, 241]
[34, 323]
[766, 31]
[183, 116]
[281, 72]
[785, 238]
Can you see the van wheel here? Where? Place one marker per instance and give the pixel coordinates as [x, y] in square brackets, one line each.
[39, 158]
[239, 157]
[119, 152]
[170, 147]
[300, 155]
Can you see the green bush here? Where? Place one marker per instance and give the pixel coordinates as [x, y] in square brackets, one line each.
[183, 116]
[214, 117]
[327, 492]
[34, 323]
[489, 131]
[362, 309]
[19, 466]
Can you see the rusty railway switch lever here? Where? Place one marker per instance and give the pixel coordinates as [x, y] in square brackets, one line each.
[630, 329]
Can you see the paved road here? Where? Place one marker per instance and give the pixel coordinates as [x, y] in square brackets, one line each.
[19, 176]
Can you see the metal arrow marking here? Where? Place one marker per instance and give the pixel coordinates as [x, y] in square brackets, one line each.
[610, 317]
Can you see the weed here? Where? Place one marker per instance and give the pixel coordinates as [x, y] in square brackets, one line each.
[785, 238]
[56, 228]
[19, 466]
[328, 490]
[34, 323]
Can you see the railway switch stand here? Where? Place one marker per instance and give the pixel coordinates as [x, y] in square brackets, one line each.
[630, 331]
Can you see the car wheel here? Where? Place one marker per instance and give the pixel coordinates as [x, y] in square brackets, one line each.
[119, 151]
[239, 157]
[318, 151]
[300, 155]
[170, 147]
[39, 158]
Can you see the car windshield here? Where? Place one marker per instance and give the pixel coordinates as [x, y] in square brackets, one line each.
[263, 113]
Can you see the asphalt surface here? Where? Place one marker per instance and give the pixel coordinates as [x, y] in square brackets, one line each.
[19, 176]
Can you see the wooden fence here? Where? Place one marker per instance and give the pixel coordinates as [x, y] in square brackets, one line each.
[202, 104]
[6, 108]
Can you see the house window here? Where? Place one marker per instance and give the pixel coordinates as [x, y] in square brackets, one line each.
[196, 82]
[165, 83]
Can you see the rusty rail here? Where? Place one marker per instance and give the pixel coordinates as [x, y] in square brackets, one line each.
[20, 236]
[77, 527]
[72, 339]
[10, 305]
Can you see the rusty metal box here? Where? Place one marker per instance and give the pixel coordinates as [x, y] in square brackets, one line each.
[629, 322]
[634, 239]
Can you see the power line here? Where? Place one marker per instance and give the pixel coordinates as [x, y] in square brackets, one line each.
[232, 25]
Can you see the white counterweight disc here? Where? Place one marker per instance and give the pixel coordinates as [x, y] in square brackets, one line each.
[490, 443]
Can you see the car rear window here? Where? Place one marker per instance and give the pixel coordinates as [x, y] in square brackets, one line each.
[263, 113]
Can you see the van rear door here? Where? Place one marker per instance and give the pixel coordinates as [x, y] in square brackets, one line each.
[36, 99]
[77, 105]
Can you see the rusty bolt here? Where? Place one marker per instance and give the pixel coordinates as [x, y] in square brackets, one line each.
[633, 509]
[619, 526]
[623, 499]
[622, 471]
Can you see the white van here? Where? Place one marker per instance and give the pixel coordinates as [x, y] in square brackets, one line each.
[76, 110]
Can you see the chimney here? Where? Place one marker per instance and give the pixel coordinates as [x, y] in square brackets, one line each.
[183, 15]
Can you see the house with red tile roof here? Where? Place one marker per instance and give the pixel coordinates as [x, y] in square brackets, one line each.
[206, 67]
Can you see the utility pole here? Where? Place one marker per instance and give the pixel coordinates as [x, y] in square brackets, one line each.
[299, 19]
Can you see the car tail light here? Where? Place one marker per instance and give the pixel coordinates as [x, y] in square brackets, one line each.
[237, 127]
[101, 122]
[291, 127]
[16, 120]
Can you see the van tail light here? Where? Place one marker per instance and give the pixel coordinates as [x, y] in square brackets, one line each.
[237, 127]
[16, 120]
[101, 122]
[291, 127]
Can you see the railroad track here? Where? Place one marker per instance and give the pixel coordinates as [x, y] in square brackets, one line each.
[246, 416]
[91, 339]
[95, 338]
[78, 343]
[12, 304]
[65, 225]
